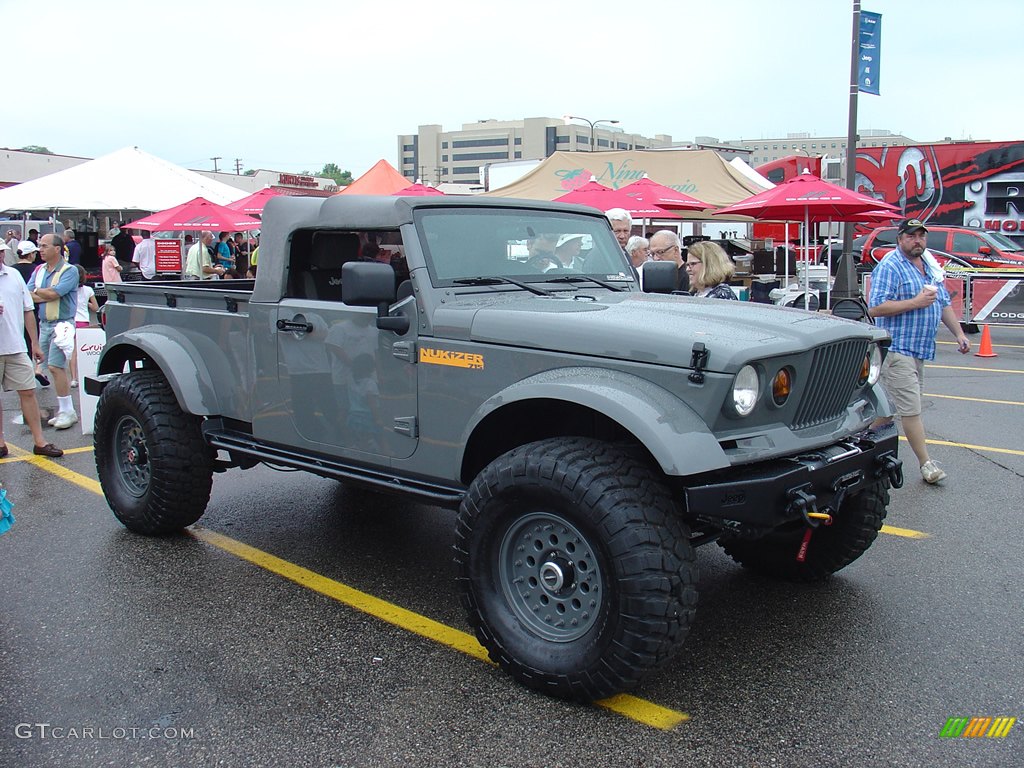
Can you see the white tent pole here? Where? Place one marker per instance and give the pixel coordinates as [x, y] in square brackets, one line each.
[807, 262]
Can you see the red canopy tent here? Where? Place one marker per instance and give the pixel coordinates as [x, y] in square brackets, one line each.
[646, 190]
[252, 205]
[418, 190]
[806, 198]
[604, 198]
[198, 213]
[381, 179]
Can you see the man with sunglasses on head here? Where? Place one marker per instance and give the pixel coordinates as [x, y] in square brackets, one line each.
[908, 299]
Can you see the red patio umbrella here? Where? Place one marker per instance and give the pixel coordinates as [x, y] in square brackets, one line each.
[417, 190]
[253, 204]
[604, 198]
[646, 190]
[196, 214]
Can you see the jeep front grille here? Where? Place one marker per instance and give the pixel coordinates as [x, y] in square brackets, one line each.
[835, 369]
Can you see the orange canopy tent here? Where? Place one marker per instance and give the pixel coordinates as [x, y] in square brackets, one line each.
[382, 179]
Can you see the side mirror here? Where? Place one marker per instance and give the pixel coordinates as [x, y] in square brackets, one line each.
[660, 276]
[984, 250]
[372, 284]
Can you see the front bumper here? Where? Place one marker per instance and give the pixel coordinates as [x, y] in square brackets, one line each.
[771, 493]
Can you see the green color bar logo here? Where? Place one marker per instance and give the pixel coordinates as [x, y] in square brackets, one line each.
[977, 727]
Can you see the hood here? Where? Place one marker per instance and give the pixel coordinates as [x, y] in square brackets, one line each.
[648, 328]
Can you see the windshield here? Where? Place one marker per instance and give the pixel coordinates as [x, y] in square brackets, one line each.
[528, 246]
[1001, 241]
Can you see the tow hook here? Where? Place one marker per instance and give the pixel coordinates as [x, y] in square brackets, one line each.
[891, 466]
[805, 502]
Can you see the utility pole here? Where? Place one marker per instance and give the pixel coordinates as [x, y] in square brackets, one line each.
[215, 159]
[238, 166]
[846, 277]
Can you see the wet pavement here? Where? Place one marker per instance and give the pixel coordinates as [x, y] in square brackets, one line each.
[117, 649]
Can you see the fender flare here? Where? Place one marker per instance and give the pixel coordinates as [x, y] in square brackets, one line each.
[183, 358]
[667, 427]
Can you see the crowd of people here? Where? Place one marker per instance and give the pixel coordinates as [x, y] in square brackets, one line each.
[39, 306]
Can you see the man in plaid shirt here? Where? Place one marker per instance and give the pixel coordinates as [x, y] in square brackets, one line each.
[908, 299]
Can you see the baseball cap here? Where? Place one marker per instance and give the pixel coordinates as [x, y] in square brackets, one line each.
[25, 247]
[911, 225]
[4, 246]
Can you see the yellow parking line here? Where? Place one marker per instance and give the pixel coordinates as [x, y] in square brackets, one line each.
[986, 448]
[972, 368]
[640, 710]
[974, 399]
[909, 533]
[1003, 346]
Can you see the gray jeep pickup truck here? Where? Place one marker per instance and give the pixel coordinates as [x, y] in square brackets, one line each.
[590, 434]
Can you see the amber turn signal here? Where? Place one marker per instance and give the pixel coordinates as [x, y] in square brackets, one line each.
[782, 385]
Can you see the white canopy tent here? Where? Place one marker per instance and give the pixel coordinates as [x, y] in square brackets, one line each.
[126, 180]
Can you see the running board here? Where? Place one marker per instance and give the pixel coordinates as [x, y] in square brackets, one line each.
[318, 464]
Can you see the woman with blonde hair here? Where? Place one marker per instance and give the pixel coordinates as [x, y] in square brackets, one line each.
[709, 268]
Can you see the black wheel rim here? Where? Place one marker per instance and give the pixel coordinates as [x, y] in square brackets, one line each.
[551, 577]
[131, 456]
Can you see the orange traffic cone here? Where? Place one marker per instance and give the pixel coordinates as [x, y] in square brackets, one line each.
[986, 344]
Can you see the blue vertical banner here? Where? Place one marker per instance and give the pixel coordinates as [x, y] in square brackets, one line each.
[869, 52]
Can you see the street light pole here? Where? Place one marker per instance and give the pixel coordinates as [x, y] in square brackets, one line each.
[592, 124]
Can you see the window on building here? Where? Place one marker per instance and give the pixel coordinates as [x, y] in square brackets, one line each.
[474, 170]
[496, 142]
[480, 156]
[518, 154]
[444, 158]
[444, 145]
[519, 141]
[561, 139]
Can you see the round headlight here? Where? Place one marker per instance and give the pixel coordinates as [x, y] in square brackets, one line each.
[744, 390]
[871, 368]
[876, 364]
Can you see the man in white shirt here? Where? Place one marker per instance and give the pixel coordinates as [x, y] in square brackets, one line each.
[198, 264]
[16, 370]
[145, 256]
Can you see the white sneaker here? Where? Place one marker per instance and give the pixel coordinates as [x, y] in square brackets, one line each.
[74, 383]
[52, 420]
[64, 420]
[931, 473]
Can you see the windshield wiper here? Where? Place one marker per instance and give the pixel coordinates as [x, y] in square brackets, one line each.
[500, 280]
[583, 279]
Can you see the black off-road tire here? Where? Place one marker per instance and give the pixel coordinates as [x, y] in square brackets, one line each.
[574, 567]
[153, 464]
[831, 547]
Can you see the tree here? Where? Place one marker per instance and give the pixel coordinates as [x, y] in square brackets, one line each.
[332, 171]
[37, 149]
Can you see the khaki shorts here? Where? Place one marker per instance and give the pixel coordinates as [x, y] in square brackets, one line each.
[903, 379]
[17, 372]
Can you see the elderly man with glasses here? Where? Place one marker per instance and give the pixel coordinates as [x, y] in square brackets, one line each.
[54, 289]
[665, 246]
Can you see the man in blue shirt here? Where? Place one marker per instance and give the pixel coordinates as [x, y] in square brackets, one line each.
[908, 299]
[54, 289]
[74, 248]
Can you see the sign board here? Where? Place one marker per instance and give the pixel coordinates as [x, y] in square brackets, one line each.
[168, 256]
[88, 346]
[868, 52]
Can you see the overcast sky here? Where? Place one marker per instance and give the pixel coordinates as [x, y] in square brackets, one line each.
[293, 84]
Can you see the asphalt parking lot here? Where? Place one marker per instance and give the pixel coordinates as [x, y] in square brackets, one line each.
[305, 623]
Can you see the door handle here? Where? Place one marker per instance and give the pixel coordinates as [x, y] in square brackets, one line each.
[298, 325]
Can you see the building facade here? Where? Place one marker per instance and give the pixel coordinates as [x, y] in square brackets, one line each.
[832, 148]
[436, 156]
